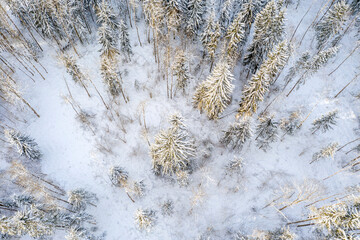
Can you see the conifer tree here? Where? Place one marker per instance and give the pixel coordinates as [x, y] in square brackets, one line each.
[111, 77]
[80, 199]
[237, 134]
[181, 70]
[314, 64]
[145, 219]
[194, 14]
[73, 69]
[25, 222]
[225, 14]
[108, 30]
[332, 23]
[267, 132]
[173, 149]
[340, 219]
[326, 152]
[325, 122]
[211, 36]
[269, 30]
[290, 125]
[214, 94]
[260, 82]
[235, 35]
[248, 12]
[124, 40]
[118, 176]
[299, 65]
[25, 145]
[235, 166]
[174, 10]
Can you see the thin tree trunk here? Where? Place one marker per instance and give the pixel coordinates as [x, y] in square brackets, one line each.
[356, 76]
[347, 144]
[345, 59]
[311, 24]
[24, 101]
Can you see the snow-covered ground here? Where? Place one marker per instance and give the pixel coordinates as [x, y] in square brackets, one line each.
[73, 156]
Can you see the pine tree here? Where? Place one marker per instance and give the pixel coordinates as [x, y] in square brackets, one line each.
[214, 94]
[325, 122]
[260, 82]
[235, 166]
[25, 222]
[299, 65]
[235, 35]
[248, 12]
[332, 23]
[167, 208]
[111, 77]
[119, 177]
[174, 10]
[124, 40]
[173, 148]
[338, 219]
[73, 17]
[314, 64]
[80, 199]
[211, 36]
[225, 14]
[290, 125]
[326, 152]
[267, 132]
[269, 30]
[237, 134]
[25, 145]
[181, 70]
[145, 219]
[108, 30]
[194, 14]
[73, 69]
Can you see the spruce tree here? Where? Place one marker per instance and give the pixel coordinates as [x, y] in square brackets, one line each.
[260, 82]
[326, 152]
[145, 219]
[214, 94]
[237, 134]
[267, 132]
[269, 30]
[299, 65]
[80, 199]
[332, 23]
[181, 70]
[108, 30]
[111, 77]
[118, 176]
[194, 14]
[325, 122]
[313, 65]
[124, 40]
[211, 36]
[25, 145]
[173, 149]
[225, 14]
[340, 219]
[290, 125]
[235, 35]
[174, 10]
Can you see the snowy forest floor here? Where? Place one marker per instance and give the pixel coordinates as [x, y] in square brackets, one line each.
[75, 156]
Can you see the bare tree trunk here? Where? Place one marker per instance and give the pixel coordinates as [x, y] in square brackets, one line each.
[356, 76]
[345, 59]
